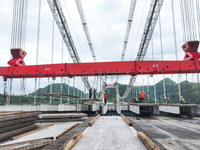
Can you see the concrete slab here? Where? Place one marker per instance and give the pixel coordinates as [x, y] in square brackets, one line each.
[50, 132]
[62, 115]
[42, 107]
[109, 133]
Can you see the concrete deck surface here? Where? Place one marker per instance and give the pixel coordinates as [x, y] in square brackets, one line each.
[182, 132]
[109, 133]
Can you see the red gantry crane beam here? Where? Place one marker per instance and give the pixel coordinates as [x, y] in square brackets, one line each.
[190, 64]
[101, 68]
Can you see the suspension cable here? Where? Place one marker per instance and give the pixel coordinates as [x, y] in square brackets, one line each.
[128, 28]
[52, 51]
[61, 85]
[198, 16]
[61, 89]
[85, 28]
[74, 92]
[9, 100]
[37, 49]
[68, 90]
[161, 47]
[18, 35]
[175, 44]
[5, 94]
[154, 75]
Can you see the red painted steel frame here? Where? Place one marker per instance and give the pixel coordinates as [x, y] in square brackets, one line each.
[101, 68]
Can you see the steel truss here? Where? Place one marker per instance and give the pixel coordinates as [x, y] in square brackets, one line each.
[66, 35]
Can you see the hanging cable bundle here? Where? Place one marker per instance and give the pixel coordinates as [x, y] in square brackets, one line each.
[18, 36]
[188, 20]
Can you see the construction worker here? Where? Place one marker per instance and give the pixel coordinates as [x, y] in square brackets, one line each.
[166, 99]
[105, 98]
[142, 96]
[182, 100]
[90, 93]
[135, 100]
[94, 93]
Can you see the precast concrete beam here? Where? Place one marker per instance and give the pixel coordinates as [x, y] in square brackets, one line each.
[182, 109]
[66, 107]
[174, 109]
[104, 109]
[124, 107]
[82, 107]
[111, 107]
[118, 108]
[141, 108]
[189, 109]
[47, 107]
[134, 108]
[95, 107]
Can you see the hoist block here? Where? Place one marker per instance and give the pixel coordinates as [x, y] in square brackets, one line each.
[18, 55]
[191, 50]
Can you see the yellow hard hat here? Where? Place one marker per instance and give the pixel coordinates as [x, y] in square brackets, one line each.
[142, 91]
[181, 96]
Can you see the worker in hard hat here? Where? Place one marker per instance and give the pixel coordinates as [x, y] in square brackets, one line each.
[135, 100]
[105, 98]
[90, 92]
[182, 100]
[142, 96]
[166, 99]
[94, 93]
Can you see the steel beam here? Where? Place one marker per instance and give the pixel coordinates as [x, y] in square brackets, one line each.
[101, 68]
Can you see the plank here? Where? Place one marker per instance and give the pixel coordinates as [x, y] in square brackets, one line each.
[59, 95]
[98, 100]
[67, 130]
[91, 123]
[147, 142]
[70, 143]
[126, 120]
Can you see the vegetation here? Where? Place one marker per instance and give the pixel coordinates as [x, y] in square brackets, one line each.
[190, 91]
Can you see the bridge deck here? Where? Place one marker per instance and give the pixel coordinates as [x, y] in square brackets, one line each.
[109, 132]
[183, 133]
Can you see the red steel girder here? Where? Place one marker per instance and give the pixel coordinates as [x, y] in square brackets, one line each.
[101, 68]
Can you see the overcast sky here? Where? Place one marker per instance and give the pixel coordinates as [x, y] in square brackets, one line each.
[107, 21]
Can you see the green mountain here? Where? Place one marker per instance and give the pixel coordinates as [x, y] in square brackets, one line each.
[56, 88]
[190, 91]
